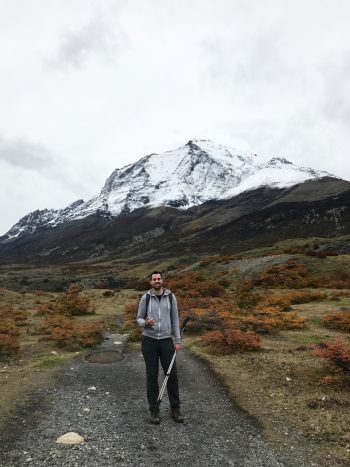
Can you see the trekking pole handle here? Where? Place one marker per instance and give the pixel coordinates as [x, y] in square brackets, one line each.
[184, 324]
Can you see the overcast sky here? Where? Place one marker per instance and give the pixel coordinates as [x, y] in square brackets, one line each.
[87, 86]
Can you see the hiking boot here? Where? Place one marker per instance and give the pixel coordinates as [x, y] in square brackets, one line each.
[154, 418]
[177, 415]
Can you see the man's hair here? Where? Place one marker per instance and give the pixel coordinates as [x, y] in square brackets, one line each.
[155, 272]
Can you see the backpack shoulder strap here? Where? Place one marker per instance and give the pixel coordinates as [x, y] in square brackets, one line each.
[148, 298]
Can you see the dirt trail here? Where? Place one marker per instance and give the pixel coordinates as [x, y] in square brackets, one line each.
[117, 431]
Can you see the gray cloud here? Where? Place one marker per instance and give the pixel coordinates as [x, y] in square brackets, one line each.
[94, 38]
[336, 99]
[25, 154]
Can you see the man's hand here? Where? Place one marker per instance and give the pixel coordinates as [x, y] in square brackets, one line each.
[149, 322]
[178, 347]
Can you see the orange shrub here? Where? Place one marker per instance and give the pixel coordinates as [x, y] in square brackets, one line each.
[281, 300]
[336, 294]
[217, 259]
[270, 319]
[305, 296]
[10, 318]
[49, 323]
[211, 289]
[69, 304]
[337, 353]
[284, 300]
[66, 333]
[9, 345]
[338, 320]
[290, 274]
[137, 284]
[63, 336]
[45, 309]
[74, 289]
[232, 340]
[7, 311]
[194, 285]
[9, 338]
[245, 296]
[74, 305]
[130, 315]
[89, 334]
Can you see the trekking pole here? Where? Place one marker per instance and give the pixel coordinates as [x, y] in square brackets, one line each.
[161, 392]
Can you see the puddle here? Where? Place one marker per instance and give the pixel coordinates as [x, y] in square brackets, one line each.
[104, 356]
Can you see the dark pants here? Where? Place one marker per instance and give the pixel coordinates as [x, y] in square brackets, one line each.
[154, 350]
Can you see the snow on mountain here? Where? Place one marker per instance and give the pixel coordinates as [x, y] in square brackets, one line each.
[190, 175]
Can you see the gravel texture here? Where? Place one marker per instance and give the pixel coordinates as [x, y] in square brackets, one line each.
[117, 431]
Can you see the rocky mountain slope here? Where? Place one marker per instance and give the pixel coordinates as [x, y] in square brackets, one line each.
[188, 176]
[252, 219]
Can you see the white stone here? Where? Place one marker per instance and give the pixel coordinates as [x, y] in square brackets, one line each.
[92, 388]
[288, 379]
[70, 438]
[117, 342]
[86, 409]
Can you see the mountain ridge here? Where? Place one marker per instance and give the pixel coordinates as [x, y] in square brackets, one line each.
[254, 218]
[188, 176]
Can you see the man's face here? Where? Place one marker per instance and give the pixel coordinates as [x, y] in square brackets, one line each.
[156, 281]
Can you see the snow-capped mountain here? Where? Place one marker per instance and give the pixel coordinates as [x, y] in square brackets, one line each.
[190, 175]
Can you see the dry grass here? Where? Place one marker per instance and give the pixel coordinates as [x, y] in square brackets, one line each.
[281, 387]
[39, 362]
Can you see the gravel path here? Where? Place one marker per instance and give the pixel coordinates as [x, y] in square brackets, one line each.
[117, 431]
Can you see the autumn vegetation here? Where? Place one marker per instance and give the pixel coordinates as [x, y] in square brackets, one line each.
[339, 320]
[59, 325]
[336, 353]
[295, 275]
[229, 322]
[10, 322]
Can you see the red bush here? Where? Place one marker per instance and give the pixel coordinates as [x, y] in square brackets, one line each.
[337, 353]
[232, 340]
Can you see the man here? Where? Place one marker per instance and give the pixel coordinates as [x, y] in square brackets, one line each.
[158, 315]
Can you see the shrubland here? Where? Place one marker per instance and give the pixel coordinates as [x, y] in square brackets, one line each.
[10, 322]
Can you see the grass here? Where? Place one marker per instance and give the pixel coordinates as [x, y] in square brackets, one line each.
[280, 386]
[51, 361]
[308, 339]
[37, 365]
